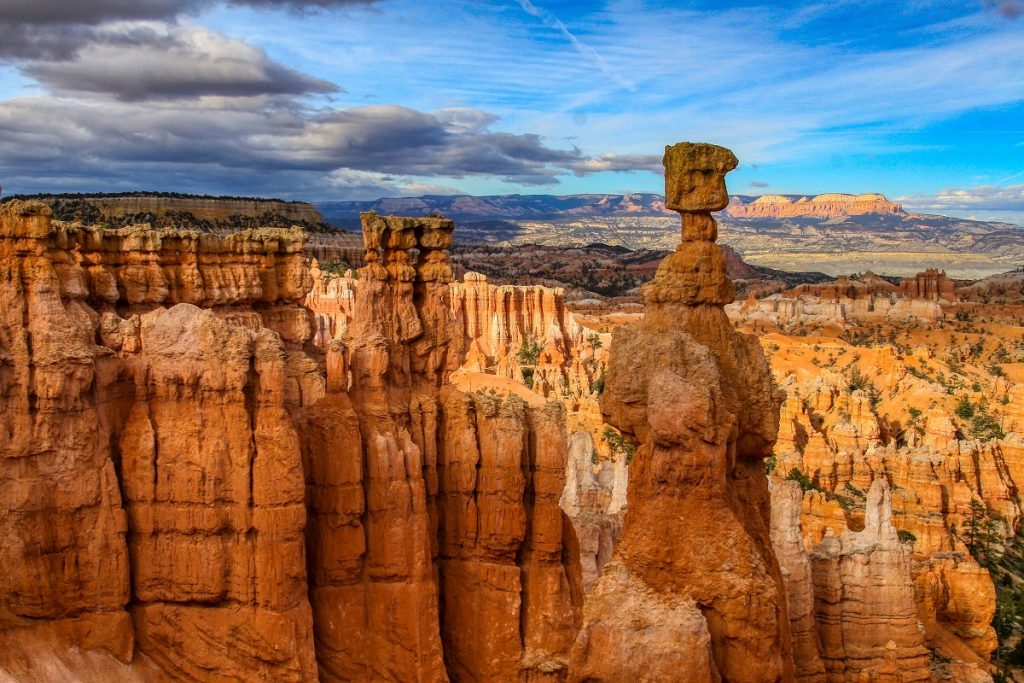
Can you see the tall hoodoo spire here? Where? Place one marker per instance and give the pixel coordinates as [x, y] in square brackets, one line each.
[694, 589]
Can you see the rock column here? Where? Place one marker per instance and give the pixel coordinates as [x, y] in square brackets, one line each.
[694, 590]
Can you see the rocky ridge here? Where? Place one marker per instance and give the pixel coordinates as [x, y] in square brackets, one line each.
[193, 488]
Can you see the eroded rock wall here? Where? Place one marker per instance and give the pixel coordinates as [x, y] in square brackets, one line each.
[864, 595]
[152, 479]
[192, 489]
[442, 550]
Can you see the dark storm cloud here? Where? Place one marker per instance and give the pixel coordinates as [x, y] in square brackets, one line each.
[300, 5]
[92, 12]
[46, 140]
[58, 29]
[89, 12]
[171, 61]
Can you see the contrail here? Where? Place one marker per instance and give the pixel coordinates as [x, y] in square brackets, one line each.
[552, 21]
[1009, 178]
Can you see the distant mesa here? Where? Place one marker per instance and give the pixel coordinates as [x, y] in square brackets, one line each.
[171, 209]
[831, 205]
[569, 207]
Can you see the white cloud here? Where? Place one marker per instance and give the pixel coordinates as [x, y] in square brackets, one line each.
[983, 197]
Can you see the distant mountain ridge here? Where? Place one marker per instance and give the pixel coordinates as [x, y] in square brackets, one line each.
[832, 233]
[497, 207]
[556, 207]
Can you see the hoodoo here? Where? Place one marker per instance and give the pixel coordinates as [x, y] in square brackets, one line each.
[694, 588]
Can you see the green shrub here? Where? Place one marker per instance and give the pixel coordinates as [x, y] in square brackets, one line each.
[806, 484]
[529, 352]
[618, 444]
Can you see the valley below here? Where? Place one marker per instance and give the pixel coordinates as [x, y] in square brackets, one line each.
[824, 238]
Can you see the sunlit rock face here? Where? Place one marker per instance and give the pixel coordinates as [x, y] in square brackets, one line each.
[829, 205]
[698, 400]
[153, 496]
[901, 428]
[195, 491]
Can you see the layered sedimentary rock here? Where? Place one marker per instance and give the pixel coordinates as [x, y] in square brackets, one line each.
[786, 499]
[865, 286]
[167, 427]
[695, 565]
[152, 479]
[784, 312]
[931, 284]
[864, 594]
[821, 206]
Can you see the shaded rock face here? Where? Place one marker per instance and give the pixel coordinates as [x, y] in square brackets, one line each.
[699, 401]
[786, 499]
[193, 492]
[595, 500]
[864, 595]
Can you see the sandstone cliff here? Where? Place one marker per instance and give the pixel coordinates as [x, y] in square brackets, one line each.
[821, 206]
[194, 490]
[153, 492]
[931, 284]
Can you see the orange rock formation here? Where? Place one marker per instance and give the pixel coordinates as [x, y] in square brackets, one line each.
[695, 570]
[931, 284]
[192, 488]
[822, 206]
[153, 492]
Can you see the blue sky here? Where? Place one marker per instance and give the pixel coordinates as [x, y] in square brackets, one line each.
[336, 99]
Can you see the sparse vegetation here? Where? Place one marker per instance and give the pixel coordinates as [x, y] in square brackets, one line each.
[806, 483]
[980, 533]
[338, 268]
[619, 444]
[529, 353]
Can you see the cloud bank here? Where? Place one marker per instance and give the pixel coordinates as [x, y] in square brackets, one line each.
[141, 94]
